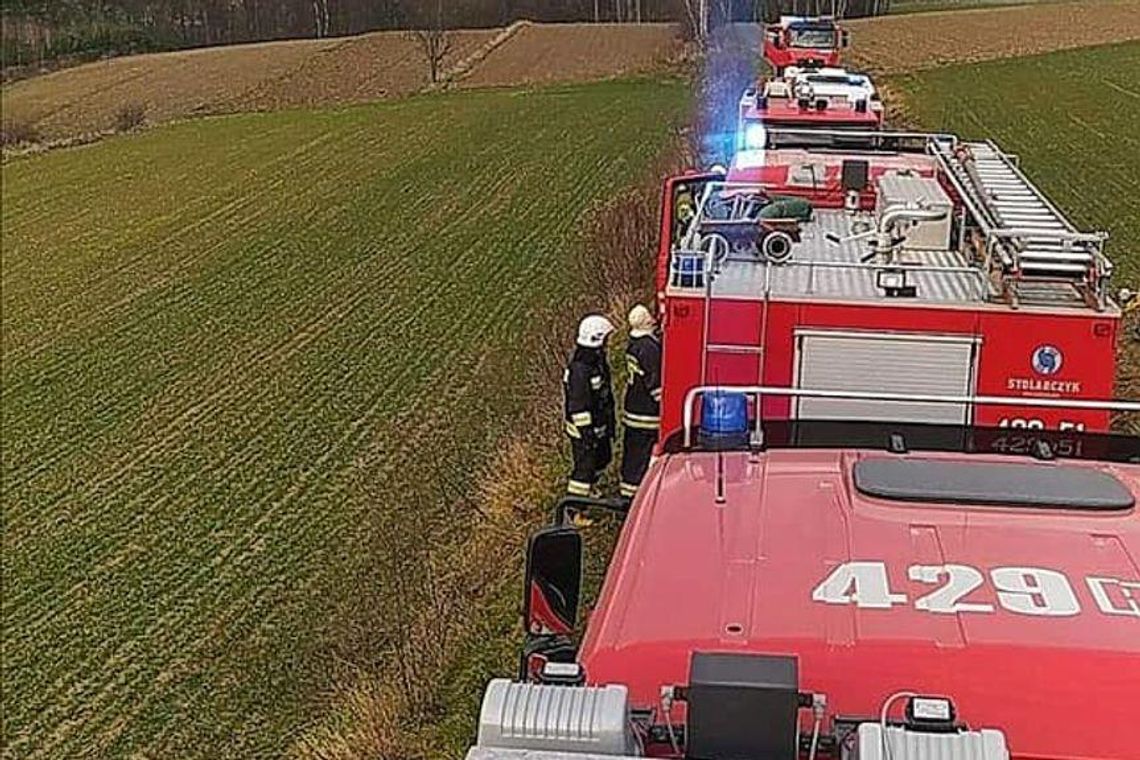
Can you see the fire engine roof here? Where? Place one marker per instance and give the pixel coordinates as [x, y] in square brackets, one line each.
[771, 166]
[823, 269]
[787, 112]
[1029, 618]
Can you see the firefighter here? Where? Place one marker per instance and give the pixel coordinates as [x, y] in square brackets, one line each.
[588, 393]
[642, 415]
[684, 211]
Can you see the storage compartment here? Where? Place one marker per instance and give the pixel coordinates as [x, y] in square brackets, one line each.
[742, 707]
[896, 189]
[914, 363]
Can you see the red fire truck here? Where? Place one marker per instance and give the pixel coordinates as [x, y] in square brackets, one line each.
[804, 41]
[789, 589]
[883, 262]
[830, 98]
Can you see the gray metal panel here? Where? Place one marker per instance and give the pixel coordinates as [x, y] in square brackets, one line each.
[1014, 484]
[747, 277]
[900, 744]
[556, 718]
[885, 363]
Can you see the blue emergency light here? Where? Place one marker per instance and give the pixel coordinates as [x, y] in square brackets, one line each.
[755, 136]
[724, 416]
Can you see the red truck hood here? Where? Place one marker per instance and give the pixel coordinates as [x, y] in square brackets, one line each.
[1058, 671]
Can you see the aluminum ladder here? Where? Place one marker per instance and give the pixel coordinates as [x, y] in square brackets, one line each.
[1031, 238]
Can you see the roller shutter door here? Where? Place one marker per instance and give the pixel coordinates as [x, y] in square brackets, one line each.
[923, 364]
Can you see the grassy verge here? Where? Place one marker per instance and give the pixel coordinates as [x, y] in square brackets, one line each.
[257, 373]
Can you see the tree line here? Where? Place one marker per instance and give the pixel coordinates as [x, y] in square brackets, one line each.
[35, 32]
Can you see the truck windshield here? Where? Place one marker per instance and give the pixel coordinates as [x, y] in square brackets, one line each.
[822, 38]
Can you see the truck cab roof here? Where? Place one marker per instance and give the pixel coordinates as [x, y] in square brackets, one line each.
[1017, 610]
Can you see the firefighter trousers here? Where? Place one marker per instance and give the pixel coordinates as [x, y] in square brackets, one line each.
[637, 447]
[591, 457]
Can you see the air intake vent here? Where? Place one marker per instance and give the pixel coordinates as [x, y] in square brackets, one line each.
[583, 719]
[903, 744]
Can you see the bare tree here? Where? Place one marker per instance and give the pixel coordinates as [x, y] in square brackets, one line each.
[321, 17]
[693, 10]
[435, 43]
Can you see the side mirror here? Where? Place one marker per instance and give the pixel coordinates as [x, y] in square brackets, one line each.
[845, 38]
[553, 581]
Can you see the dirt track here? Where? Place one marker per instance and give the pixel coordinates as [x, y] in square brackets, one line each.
[897, 44]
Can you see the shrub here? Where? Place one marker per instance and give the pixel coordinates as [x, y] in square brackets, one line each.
[18, 132]
[130, 116]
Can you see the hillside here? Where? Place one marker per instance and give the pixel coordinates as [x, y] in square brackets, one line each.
[256, 370]
[315, 73]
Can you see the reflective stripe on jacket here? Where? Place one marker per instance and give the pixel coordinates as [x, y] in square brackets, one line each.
[588, 394]
[643, 385]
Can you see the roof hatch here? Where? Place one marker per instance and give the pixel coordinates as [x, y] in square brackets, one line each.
[991, 483]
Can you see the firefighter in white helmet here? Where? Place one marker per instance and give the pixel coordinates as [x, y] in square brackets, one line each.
[589, 405]
[642, 407]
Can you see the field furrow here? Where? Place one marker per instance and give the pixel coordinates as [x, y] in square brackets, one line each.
[232, 343]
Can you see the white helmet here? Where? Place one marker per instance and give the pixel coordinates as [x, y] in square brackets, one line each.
[641, 321]
[592, 331]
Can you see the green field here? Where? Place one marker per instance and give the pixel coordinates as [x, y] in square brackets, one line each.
[1071, 116]
[252, 368]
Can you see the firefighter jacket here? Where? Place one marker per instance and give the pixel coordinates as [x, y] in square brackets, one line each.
[588, 393]
[643, 385]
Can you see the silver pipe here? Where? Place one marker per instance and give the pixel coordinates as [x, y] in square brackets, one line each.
[895, 214]
[1110, 405]
[1040, 234]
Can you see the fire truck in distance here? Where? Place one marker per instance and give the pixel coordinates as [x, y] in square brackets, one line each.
[831, 98]
[804, 41]
[802, 589]
[883, 262]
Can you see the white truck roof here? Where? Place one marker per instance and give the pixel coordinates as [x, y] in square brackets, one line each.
[786, 21]
[831, 83]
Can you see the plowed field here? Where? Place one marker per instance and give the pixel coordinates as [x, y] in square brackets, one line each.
[574, 52]
[911, 42]
[307, 73]
[252, 367]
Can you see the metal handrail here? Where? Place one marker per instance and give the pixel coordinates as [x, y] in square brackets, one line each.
[870, 266]
[1037, 233]
[878, 134]
[1109, 405]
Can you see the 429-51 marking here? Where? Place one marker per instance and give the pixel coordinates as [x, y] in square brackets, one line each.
[1035, 591]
